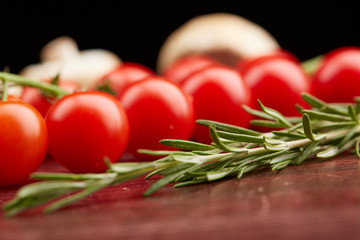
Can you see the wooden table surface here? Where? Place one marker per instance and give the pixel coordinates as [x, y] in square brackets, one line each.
[317, 200]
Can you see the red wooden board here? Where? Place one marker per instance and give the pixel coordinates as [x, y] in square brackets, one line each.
[317, 200]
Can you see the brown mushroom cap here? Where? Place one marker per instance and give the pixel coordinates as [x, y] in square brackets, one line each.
[225, 36]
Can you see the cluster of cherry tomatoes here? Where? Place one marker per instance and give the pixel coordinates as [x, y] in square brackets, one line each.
[133, 108]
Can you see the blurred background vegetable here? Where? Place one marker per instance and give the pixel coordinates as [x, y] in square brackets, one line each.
[135, 30]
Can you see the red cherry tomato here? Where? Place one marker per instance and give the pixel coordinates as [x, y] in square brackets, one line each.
[245, 63]
[156, 109]
[338, 76]
[42, 103]
[219, 93]
[183, 67]
[277, 82]
[117, 80]
[85, 127]
[23, 141]
[14, 98]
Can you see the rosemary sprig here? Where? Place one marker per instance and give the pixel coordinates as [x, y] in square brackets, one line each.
[324, 131]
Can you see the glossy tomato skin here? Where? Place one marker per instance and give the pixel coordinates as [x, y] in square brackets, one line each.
[34, 97]
[219, 94]
[243, 64]
[85, 127]
[184, 66]
[157, 109]
[277, 82]
[23, 141]
[124, 75]
[338, 77]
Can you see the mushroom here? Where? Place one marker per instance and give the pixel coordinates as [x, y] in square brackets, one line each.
[62, 47]
[224, 36]
[61, 56]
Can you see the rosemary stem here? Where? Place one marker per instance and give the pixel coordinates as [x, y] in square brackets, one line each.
[302, 142]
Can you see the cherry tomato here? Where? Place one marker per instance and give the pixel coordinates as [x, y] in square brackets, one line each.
[183, 67]
[157, 109]
[117, 80]
[14, 98]
[242, 64]
[41, 102]
[23, 141]
[85, 127]
[218, 93]
[338, 76]
[277, 82]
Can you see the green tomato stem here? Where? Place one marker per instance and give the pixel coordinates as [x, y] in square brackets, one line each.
[312, 64]
[5, 90]
[20, 80]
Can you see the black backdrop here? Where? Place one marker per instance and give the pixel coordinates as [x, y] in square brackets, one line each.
[135, 30]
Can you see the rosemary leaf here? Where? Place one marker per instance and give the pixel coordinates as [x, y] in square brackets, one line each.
[357, 105]
[157, 152]
[187, 159]
[19, 205]
[352, 114]
[357, 147]
[257, 113]
[213, 176]
[313, 101]
[240, 137]
[78, 196]
[267, 123]
[284, 157]
[153, 173]
[217, 141]
[175, 168]
[197, 171]
[281, 165]
[275, 145]
[335, 125]
[275, 114]
[289, 135]
[70, 176]
[321, 105]
[228, 127]
[186, 145]
[308, 150]
[308, 129]
[126, 167]
[334, 150]
[166, 180]
[247, 169]
[49, 187]
[326, 116]
[189, 183]
[348, 136]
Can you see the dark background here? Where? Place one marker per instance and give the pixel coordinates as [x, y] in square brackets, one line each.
[135, 30]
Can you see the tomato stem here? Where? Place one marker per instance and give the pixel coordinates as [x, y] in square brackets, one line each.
[5, 90]
[20, 80]
[312, 64]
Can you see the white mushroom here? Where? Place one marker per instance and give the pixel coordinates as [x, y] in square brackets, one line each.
[61, 56]
[225, 36]
[63, 47]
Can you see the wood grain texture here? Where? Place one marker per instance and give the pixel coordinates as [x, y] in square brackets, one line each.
[317, 200]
